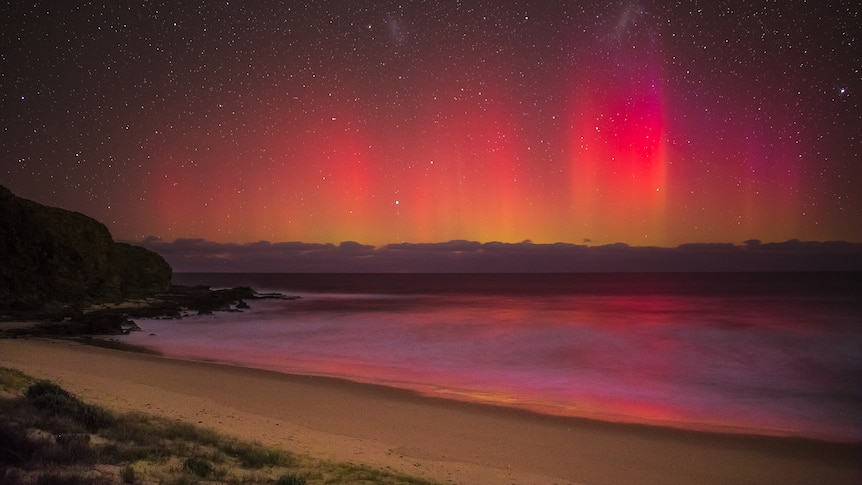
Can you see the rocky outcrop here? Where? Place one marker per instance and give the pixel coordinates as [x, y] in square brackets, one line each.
[54, 261]
[142, 272]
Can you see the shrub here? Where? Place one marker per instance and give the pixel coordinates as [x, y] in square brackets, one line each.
[60, 479]
[70, 449]
[181, 479]
[52, 398]
[290, 479]
[255, 455]
[127, 474]
[16, 448]
[198, 466]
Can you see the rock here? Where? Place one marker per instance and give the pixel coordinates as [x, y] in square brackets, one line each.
[65, 269]
[142, 272]
[56, 262]
[97, 323]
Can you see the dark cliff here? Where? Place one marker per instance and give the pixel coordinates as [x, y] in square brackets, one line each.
[52, 258]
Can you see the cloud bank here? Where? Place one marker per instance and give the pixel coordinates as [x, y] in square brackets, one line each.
[200, 255]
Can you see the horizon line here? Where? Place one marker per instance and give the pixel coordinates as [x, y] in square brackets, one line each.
[748, 243]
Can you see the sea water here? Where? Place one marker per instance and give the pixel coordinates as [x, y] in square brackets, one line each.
[777, 354]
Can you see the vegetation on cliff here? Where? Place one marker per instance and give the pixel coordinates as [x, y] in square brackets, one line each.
[64, 269]
[55, 261]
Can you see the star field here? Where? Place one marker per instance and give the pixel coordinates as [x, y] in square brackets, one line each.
[643, 122]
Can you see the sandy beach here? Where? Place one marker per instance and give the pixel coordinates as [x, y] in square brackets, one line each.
[436, 439]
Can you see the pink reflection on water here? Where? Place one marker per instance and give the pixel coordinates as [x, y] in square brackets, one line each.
[763, 366]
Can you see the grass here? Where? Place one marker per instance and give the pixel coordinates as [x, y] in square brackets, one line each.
[49, 436]
[13, 382]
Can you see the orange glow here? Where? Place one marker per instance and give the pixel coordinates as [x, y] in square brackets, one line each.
[607, 159]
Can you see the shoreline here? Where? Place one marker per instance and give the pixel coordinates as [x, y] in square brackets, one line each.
[457, 398]
[656, 427]
[430, 437]
[448, 390]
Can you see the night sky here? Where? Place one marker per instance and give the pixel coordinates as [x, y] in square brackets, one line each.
[648, 123]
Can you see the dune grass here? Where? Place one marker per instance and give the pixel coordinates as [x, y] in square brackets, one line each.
[49, 436]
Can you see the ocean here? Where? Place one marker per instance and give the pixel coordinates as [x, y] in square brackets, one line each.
[755, 353]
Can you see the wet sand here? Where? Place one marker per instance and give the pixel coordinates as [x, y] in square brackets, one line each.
[437, 439]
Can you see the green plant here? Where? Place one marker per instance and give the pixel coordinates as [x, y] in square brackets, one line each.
[198, 466]
[70, 449]
[254, 455]
[182, 479]
[16, 448]
[43, 441]
[13, 381]
[219, 474]
[290, 479]
[67, 479]
[57, 401]
[127, 474]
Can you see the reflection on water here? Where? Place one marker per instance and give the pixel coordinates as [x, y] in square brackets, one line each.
[754, 362]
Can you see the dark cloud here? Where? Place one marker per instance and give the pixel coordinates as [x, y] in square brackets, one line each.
[199, 255]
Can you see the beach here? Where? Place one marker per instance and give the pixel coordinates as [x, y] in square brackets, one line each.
[432, 438]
